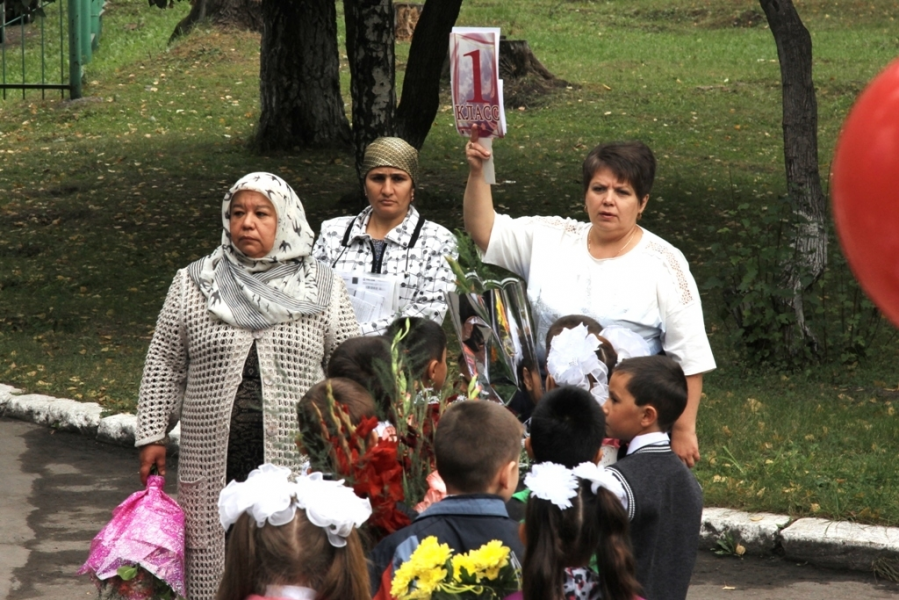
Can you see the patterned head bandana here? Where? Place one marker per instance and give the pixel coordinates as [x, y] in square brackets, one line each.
[282, 286]
[391, 152]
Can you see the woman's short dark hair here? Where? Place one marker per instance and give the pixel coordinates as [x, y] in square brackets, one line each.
[632, 162]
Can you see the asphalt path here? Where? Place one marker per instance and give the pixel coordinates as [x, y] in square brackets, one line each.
[58, 489]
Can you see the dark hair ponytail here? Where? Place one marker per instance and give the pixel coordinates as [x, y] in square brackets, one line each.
[542, 570]
[556, 539]
[613, 549]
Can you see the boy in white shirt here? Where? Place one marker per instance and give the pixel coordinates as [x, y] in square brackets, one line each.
[646, 396]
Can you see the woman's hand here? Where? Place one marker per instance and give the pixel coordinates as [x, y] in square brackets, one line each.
[477, 204]
[476, 154]
[685, 445]
[151, 454]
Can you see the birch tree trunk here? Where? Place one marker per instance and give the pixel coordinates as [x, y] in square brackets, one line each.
[299, 77]
[800, 131]
[370, 51]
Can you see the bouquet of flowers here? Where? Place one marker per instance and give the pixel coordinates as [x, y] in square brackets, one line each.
[434, 573]
[372, 470]
[139, 554]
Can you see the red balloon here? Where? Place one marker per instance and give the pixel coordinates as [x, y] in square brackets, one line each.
[865, 190]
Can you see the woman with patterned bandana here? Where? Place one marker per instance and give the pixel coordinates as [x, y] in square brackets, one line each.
[243, 333]
[392, 240]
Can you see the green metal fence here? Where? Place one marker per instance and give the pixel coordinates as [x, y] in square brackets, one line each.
[47, 48]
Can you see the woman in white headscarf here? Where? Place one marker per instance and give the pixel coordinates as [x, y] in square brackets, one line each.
[243, 334]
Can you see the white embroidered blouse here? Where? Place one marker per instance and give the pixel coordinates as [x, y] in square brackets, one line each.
[649, 290]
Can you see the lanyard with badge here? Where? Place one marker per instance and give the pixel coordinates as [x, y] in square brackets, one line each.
[374, 295]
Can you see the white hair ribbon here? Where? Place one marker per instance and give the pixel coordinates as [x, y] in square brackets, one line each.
[626, 342]
[268, 495]
[553, 482]
[572, 358]
[559, 484]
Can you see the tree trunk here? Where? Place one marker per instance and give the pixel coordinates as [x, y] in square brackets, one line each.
[246, 14]
[421, 87]
[370, 51]
[800, 127]
[299, 77]
[517, 60]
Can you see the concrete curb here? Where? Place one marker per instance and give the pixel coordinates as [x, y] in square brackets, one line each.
[834, 544]
[70, 415]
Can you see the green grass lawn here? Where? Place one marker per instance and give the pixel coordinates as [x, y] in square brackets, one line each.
[102, 200]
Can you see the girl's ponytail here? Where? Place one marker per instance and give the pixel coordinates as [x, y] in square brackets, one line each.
[241, 573]
[613, 548]
[347, 575]
[542, 571]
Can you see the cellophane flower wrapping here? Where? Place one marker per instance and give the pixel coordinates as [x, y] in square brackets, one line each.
[146, 531]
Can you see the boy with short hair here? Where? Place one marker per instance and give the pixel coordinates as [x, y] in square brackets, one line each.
[664, 500]
[477, 447]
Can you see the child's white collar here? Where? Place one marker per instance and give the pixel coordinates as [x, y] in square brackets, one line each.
[646, 439]
[289, 592]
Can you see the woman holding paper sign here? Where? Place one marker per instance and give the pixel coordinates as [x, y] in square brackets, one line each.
[392, 258]
[243, 333]
[609, 268]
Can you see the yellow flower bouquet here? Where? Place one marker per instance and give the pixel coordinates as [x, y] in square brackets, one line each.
[434, 573]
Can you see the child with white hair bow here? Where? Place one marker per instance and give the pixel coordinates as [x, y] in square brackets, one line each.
[292, 539]
[577, 357]
[573, 515]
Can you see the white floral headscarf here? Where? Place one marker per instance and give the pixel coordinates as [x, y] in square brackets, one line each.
[283, 285]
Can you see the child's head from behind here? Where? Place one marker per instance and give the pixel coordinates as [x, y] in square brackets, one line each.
[315, 404]
[605, 352]
[423, 349]
[557, 538]
[477, 447]
[274, 543]
[366, 360]
[567, 427]
[297, 553]
[646, 394]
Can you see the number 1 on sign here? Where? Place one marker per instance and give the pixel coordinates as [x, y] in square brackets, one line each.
[476, 75]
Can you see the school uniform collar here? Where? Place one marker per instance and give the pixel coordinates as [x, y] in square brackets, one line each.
[480, 505]
[656, 438]
[400, 235]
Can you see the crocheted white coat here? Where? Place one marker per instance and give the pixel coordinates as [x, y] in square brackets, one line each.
[193, 369]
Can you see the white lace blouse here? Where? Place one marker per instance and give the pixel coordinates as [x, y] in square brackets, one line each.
[649, 290]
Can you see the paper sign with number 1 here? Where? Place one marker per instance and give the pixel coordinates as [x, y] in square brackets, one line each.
[477, 88]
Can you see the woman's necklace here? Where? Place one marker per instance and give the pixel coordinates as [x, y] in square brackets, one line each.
[617, 254]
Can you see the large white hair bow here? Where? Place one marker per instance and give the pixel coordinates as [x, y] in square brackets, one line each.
[572, 357]
[268, 495]
[559, 484]
[627, 343]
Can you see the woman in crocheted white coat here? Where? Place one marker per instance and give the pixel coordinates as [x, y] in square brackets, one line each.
[609, 268]
[243, 333]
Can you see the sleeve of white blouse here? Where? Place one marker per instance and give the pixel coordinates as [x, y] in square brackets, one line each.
[684, 338]
[435, 279]
[165, 370]
[510, 244]
[341, 317]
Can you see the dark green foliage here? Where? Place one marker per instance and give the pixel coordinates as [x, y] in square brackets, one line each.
[752, 247]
